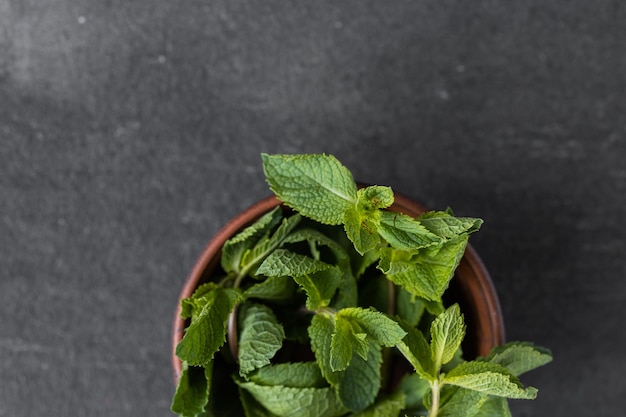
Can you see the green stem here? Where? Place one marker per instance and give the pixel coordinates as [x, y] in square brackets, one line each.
[326, 311]
[239, 278]
[434, 407]
[253, 263]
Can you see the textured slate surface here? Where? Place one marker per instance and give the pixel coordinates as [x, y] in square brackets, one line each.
[131, 131]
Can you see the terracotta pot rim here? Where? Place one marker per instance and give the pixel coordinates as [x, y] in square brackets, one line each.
[481, 288]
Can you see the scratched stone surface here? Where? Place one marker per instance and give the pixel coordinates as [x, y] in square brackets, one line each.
[131, 131]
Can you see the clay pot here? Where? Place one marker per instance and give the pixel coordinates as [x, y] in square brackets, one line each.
[471, 286]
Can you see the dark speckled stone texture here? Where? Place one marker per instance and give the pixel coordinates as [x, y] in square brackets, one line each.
[131, 131]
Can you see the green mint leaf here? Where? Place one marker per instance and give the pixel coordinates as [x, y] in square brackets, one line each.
[347, 293]
[357, 385]
[315, 236]
[447, 332]
[296, 402]
[519, 357]
[456, 361]
[409, 307]
[386, 407]
[362, 221]
[321, 332]
[427, 273]
[261, 337]
[319, 279]
[434, 307]
[395, 261]
[253, 257]
[319, 287]
[460, 402]
[374, 197]
[346, 339]
[416, 350]
[378, 326]
[317, 186]
[234, 248]
[272, 288]
[362, 229]
[341, 345]
[494, 407]
[297, 375]
[488, 378]
[192, 391]
[285, 228]
[207, 331]
[192, 306]
[405, 233]
[491, 407]
[284, 262]
[251, 407]
[447, 226]
[358, 262]
[327, 281]
[360, 382]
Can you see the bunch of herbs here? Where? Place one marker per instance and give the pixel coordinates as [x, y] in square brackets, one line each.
[314, 301]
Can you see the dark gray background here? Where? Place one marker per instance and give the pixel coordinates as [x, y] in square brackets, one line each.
[130, 131]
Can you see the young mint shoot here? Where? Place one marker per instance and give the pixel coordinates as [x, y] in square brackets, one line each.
[304, 278]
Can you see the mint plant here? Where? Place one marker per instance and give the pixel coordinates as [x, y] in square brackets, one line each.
[314, 301]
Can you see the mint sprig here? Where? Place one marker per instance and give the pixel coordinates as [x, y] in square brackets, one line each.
[303, 275]
[235, 248]
[447, 332]
[318, 187]
[207, 332]
[488, 378]
[192, 392]
[261, 337]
